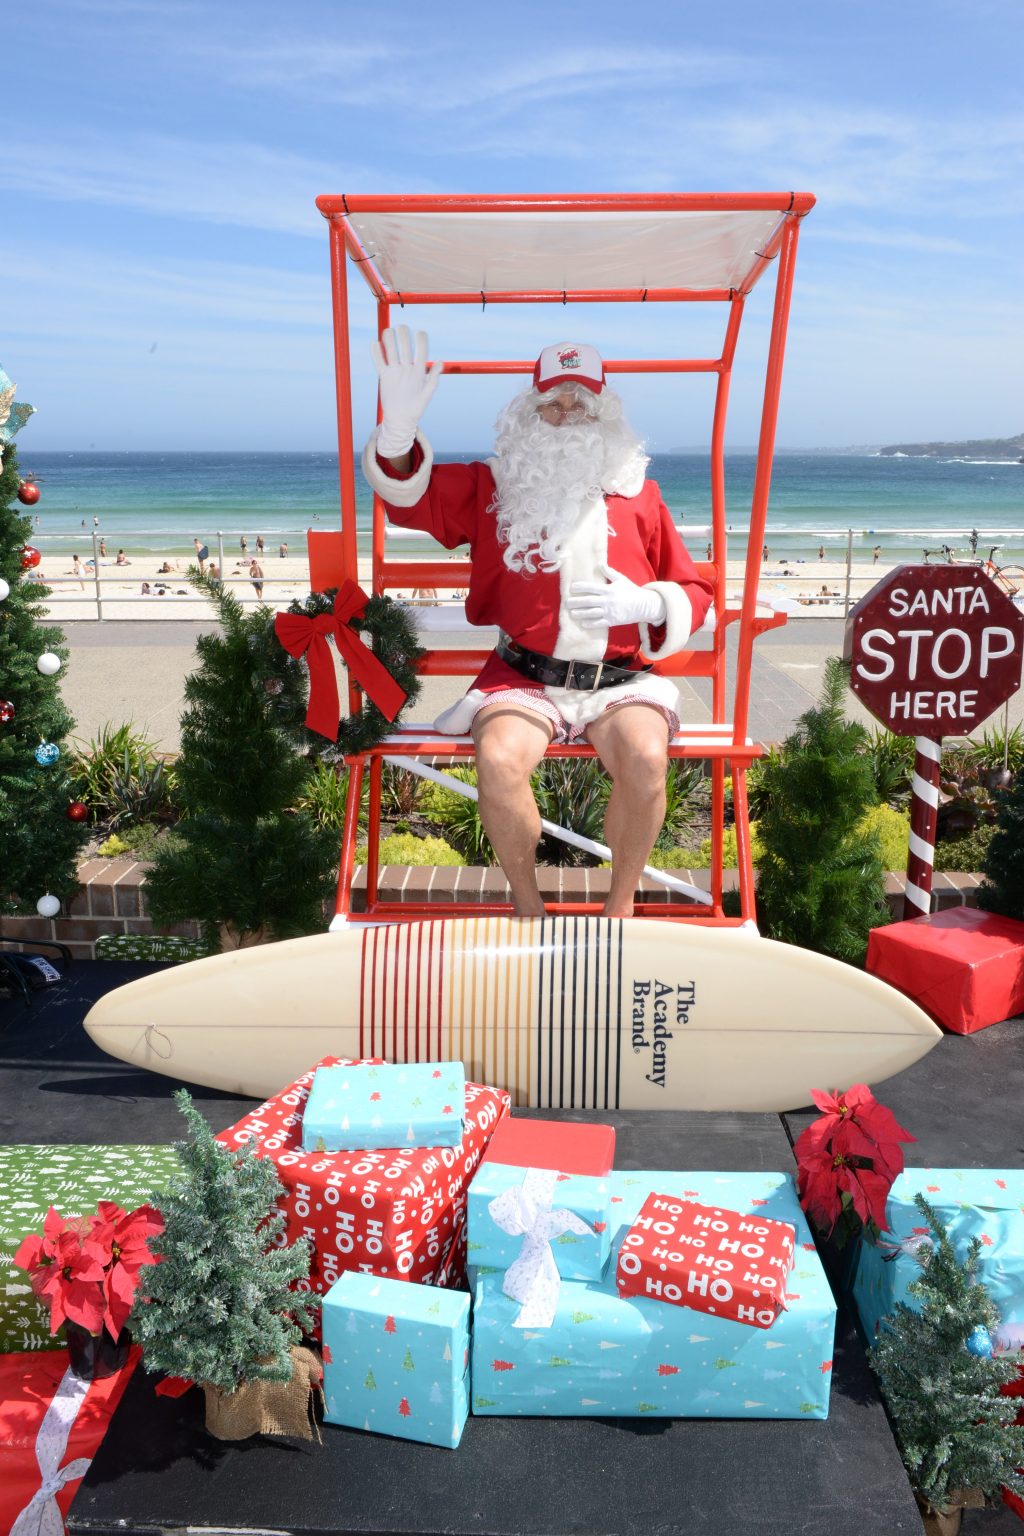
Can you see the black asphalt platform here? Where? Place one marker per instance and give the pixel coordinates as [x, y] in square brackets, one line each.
[158, 1471]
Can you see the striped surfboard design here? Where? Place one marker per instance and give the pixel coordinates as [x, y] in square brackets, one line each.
[564, 1012]
[544, 1020]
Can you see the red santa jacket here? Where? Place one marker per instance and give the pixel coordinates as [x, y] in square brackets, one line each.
[633, 534]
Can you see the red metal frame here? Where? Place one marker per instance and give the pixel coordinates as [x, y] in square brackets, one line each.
[733, 756]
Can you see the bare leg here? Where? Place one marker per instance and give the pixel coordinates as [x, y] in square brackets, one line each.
[510, 742]
[632, 743]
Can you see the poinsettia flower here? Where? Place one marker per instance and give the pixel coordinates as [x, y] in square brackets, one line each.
[826, 1176]
[123, 1238]
[38, 1253]
[74, 1284]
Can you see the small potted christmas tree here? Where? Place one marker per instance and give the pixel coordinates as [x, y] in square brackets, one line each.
[942, 1384]
[216, 1307]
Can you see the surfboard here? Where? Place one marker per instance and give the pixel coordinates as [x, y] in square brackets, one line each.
[564, 1012]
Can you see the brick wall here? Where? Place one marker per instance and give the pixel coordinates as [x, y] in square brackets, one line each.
[111, 897]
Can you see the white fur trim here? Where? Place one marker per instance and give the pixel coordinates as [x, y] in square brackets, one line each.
[458, 717]
[678, 620]
[625, 484]
[400, 493]
[584, 552]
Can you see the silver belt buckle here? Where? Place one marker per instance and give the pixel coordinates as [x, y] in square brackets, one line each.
[570, 676]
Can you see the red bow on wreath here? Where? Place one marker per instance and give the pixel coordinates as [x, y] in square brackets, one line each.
[301, 636]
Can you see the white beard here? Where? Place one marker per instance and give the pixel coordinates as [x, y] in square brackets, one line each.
[545, 475]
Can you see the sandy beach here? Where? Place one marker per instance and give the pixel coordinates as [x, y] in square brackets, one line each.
[804, 588]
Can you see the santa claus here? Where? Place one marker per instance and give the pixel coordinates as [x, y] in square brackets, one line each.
[577, 562]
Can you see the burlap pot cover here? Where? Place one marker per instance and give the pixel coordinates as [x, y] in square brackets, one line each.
[269, 1407]
[947, 1522]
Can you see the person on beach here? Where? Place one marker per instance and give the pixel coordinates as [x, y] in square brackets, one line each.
[214, 572]
[576, 560]
[283, 551]
[76, 570]
[708, 553]
[875, 553]
[821, 552]
[243, 543]
[256, 577]
[260, 546]
[122, 558]
[202, 555]
[765, 554]
[103, 549]
[167, 569]
[147, 590]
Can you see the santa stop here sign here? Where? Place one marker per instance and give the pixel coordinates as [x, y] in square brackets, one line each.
[935, 649]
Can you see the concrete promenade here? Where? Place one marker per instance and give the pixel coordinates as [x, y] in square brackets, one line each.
[130, 671]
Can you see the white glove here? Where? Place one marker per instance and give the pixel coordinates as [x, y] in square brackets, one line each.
[406, 385]
[595, 605]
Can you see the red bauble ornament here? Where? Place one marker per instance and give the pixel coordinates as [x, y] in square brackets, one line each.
[77, 811]
[29, 557]
[7, 711]
[28, 492]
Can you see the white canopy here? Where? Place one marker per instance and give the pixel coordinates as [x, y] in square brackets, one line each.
[527, 251]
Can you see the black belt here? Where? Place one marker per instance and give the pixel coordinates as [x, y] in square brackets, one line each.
[585, 675]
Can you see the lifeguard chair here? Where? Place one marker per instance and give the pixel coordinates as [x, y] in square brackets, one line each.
[659, 248]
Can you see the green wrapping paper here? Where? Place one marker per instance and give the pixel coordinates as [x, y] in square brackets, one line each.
[74, 1179]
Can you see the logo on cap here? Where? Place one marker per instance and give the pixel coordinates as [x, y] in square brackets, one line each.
[569, 357]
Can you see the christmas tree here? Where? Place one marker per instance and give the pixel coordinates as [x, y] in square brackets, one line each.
[242, 861]
[942, 1383]
[217, 1308]
[38, 838]
[821, 883]
[1002, 890]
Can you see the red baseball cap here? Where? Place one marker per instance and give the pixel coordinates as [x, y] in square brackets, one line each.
[569, 363]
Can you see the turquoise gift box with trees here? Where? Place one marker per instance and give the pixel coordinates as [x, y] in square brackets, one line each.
[396, 1358]
[364, 1108]
[982, 1203]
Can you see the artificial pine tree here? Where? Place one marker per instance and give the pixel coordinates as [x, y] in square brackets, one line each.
[821, 883]
[38, 841]
[1002, 890]
[954, 1429]
[242, 861]
[217, 1308]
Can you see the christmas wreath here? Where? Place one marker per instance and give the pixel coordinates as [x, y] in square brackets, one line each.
[385, 670]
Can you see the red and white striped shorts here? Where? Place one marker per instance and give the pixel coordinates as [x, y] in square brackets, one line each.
[566, 733]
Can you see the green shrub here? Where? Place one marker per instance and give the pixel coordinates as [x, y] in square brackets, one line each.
[121, 777]
[730, 852]
[458, 817]
[821, 879]
[114, 848]
[964, 855]
[405, 848]
[988, 752]
[892, 766]
[323, 795]
[892, 828]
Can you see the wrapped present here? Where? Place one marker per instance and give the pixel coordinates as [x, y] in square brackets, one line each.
[74, 1179]
[564, 1215]
[607, 1355]
[51, 1425]
[986, 1203]
[568, 1146]
[707, 1258]
[386, 1212]
[365, 1107]
[396, 1358]
[964, 967]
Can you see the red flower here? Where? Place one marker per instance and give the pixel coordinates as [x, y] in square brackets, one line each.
[849, 1157]
[88, 1269]
[124, 1240]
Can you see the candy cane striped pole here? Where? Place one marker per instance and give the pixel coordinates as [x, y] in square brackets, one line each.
[924, 808]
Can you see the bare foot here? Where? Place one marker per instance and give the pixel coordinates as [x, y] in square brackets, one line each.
[609, 910]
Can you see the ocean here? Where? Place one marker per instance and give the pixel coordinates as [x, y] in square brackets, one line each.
[159, 502]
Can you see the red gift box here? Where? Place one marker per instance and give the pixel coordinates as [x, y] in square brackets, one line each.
[562, 1145]
[709, 1259]
[51, 1425]
[1015, 1389]
[397, 1212]
[964, 967]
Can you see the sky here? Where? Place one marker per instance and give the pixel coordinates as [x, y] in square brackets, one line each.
[164, 277]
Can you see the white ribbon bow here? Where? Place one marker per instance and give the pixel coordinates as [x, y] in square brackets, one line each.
[41, 1515]
[533, 1279]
